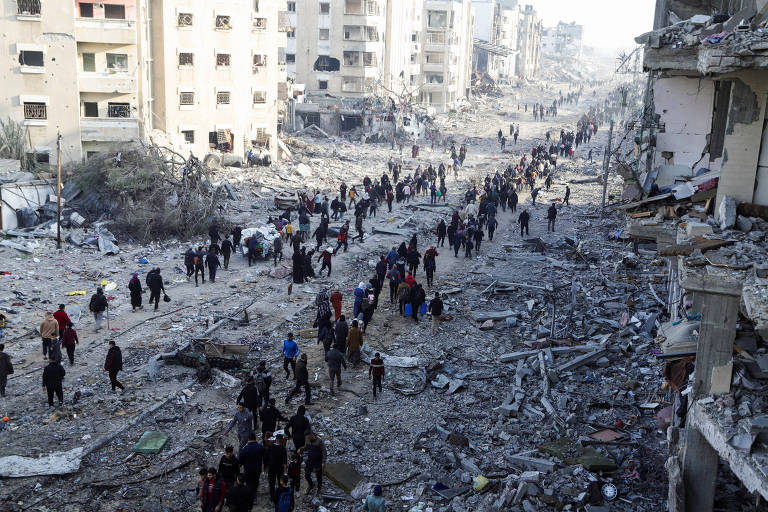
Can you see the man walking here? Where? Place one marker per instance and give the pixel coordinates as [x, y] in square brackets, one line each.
[226, 251]
[290, 353]
[302, 380]
[213, 263]
[113, 364]
[435, 309]
[567, 195]
[49, 331]
[551, 216]
[523, 220]
[251, 458]
[316, 455]
[62, 318]
[335, 360]
[53, 380]
[6, 369]
[250, 398]
[376, 371]
[69, 340]
[244, 421]
[155, 283]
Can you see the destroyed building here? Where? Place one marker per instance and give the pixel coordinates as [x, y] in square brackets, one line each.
[700, 181]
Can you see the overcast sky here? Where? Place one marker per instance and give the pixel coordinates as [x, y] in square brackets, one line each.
[607, 23]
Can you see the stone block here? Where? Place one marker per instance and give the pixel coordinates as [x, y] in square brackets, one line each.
[726, 213]
[344, 475]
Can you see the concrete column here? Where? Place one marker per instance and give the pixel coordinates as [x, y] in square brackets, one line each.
[719, 299]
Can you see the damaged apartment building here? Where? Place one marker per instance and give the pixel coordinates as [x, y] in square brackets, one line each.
[378, 66]
[508, 39]
[700, 191]
[200, 77]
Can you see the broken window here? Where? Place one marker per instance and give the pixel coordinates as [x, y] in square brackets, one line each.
[325, 8]
[351, 58]
[90, 109]
[352, 84]
[186, 98]
[311, 118]
[31, 58]
[259, 61]
[119, 109]
[86, 10]
[434, 78]
[353, 7]
[223, 98]
[722, 102]
[184, 19]
[437, 19]
[223, 60]
[189, 136]
[117, 62]
[259, 97]
[326, 63]
[322, 84]
[223, 22]
[353, 33]
[114, 12]
[186, 59]
[369, 59]
[290, 58]
[324, 35]
[89, 62]
[371, 34]
[28, 7]
[435, 58]
[260, 23]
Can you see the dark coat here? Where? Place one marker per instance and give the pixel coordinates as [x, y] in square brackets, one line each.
[114, 360]
[53, 375]
[249, 397]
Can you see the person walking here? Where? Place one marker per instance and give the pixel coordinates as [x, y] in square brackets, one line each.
[442, 229]
[244, 421]
[98, 306]
[326, 256]
[250, 398]
[213, 492]
[212, 260]
[375, 502]
[251, 459]
[226, 251]
[523, 220]
[436, 310]
[301, 373]
[335, 299]
[376, 372]
[199, 260]
[155, 284]
[134, 286]
[290, 353]
[277, 249]
[567, 197]
[6, 369]
[275, 460]
[113, 364]
[430, 264]
[53, 380]
[551, 216]
[284, 500]
[240, 496]
[49, 331]
[229, 466]
[270, 415]
[354, 342]
[316, 454]
[61, 318]
[335, 360]
[492, 223]
[296, 426]
[68, 341]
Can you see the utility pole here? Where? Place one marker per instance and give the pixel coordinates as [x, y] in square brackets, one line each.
[607, 162]
[58, 191]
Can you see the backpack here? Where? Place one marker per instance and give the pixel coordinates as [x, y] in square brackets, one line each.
[284, 500]
[404, 294]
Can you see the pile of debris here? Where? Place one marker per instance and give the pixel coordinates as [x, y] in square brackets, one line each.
[484, 84]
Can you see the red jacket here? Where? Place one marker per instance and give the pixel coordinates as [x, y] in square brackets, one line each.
[62, 318]
[69, 338]
[410, 280]
[336, 300]
[376, 367]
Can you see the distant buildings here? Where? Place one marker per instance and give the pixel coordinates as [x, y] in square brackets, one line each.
[566, 40]
[507, 39]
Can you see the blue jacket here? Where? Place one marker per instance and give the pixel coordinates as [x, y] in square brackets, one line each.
[392, 257]
[359, 295]
[290, 348]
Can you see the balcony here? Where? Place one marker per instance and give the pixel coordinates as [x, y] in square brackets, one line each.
[434, 66]
[28, 10]
[109, 83]
[109, 129]
[108, 31]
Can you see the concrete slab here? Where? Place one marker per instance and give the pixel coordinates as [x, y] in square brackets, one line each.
[344, 475]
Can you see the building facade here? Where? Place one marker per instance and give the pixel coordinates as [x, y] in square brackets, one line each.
[497, 23]
[39, 77]
[566, 41]
[529, 43]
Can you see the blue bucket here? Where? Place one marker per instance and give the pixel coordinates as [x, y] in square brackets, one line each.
[423, 308]
[408, 309]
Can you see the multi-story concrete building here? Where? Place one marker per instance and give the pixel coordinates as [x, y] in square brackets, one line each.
[497, 28]
[566, 40]
[38, 76]
[529, 57]
[446, 57]
[108, 67]
[215, 71]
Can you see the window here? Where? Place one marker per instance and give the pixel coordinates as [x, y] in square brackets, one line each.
[259, 60]
[31, 58]
[117, 62]
[43, 157]
[90, 109]
[184, 19]
[90, 154]
[223, 98]
[114, 12]
[35, 111]
[290, 58]
[325, 34]
[119, 109]
[89, 62]
[186, 59]
[325, 8]
[372, 8]
[260, 23]
[434, 79]
[291, 6]
[369, 59]
[371, 34]
[86, 10]
[353, 7]
[28, 7]
[186, 98]
[223, 22]
[223, 60]
[352, 84]
[351, 58]
[189, 136]
[435, 58]
[259, 97]
[322, 84]
[290, 33]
